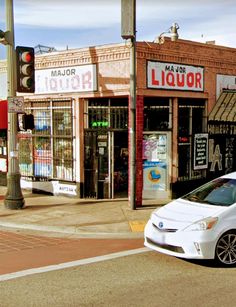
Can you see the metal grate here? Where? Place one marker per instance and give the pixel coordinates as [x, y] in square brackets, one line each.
[191, 120]
[104, 114]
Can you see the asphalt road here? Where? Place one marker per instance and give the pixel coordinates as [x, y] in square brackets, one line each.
[143, 279]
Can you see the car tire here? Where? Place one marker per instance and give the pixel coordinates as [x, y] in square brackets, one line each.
[225, 251]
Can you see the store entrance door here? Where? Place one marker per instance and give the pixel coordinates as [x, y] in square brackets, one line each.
[120, 165]
[105, 164]
[156, 161]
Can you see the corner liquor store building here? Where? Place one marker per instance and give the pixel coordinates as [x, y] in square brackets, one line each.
[80, 143]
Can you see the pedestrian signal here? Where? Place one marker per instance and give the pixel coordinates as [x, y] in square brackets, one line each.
[28, 121]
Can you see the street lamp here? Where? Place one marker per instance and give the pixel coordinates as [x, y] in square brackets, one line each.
[173, 31]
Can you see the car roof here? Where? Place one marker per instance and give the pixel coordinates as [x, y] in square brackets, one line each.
[230, 175]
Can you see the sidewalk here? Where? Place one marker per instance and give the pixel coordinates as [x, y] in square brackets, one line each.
[79, 217]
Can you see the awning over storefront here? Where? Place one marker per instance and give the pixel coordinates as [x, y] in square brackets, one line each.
[3, 114]
[225, 108]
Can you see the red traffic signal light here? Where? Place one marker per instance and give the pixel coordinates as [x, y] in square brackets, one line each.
[25, 69]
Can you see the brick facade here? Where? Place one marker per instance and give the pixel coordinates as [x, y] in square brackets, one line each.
[113, 73]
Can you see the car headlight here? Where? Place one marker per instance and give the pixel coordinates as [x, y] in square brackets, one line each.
[205, 224]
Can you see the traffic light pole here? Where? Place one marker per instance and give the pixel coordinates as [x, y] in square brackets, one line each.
[14, 198]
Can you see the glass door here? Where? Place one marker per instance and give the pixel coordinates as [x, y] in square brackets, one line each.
[120, 164]
[90, 164]
[106, 164]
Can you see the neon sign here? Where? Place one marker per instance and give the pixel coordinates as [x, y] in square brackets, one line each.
[100, 124]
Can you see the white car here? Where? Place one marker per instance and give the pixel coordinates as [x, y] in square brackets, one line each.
[199, 225]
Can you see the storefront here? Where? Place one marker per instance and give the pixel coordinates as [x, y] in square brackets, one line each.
[46, 152]
[171, 125]
[80, 145]
[222, 135]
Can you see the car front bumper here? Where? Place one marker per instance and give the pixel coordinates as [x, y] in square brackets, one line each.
[184, 244]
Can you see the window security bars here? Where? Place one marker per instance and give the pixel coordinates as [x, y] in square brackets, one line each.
[47, 151]
[191, 120]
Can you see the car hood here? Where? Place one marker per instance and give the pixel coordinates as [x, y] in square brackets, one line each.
[180, 213]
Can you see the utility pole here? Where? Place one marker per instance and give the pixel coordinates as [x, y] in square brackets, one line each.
[14, 198]
[128, 31]
[132, 114]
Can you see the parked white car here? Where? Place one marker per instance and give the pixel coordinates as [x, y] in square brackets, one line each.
[199, 225]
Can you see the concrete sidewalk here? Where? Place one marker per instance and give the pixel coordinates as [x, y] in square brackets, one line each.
[79, 217]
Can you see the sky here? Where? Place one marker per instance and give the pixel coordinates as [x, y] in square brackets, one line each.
[68, 24]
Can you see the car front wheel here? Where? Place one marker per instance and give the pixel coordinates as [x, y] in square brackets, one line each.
[225, 252]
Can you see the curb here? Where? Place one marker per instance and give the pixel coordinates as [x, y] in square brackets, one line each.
[73, 230]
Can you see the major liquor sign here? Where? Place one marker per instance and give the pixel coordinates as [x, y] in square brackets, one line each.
[66, 79]
[174, 76]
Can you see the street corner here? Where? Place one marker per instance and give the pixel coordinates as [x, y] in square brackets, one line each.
[138, 225]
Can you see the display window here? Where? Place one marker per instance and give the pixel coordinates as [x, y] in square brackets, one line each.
[42, 157]
[25, 155]
[156, 114]
[191, 121]
[63, 158]
[47, 151]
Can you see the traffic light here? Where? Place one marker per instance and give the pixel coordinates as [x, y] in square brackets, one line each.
[25, 69]
[28, 121]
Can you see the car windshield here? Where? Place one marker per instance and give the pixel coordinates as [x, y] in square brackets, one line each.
[219, 192]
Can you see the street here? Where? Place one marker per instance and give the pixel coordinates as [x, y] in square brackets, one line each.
[143, 279]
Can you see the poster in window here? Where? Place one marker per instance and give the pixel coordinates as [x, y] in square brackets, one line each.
[155, 147]
[200, 151]
[154, 176]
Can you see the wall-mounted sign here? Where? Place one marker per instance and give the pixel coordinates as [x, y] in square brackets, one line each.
[222, 128]
[60, 188]
[66, 79]
[175, 76]
[225, 82]
[100, 124]
[15, 104]
[200, 151]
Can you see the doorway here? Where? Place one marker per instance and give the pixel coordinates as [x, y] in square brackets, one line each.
[106, 164]
[120, 171]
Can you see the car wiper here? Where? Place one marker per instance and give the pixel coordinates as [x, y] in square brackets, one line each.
[193, 198]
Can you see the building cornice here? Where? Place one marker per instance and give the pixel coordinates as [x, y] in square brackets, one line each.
[187, 52]
[83, 56]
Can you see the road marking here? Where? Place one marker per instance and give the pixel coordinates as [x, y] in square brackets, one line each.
[71, 264]
[137, 226]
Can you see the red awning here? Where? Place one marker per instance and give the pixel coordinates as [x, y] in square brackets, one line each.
[3, 114]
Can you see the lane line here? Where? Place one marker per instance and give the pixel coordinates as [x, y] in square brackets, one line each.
[71, 264]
